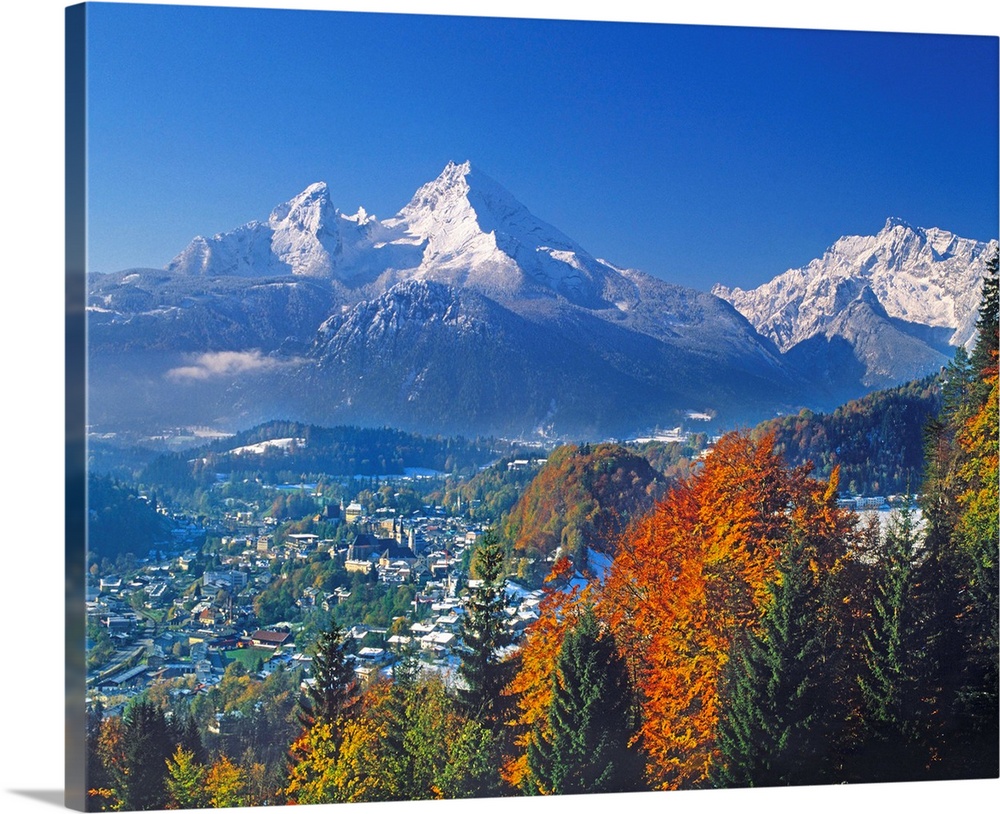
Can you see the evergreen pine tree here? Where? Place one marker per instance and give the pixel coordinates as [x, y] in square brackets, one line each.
[147, 745]
[773, 723]
[899, 662]
[485, 634]
[334, 692]
[888, 674]
[988, 323]
[189, 738]
[593, 719]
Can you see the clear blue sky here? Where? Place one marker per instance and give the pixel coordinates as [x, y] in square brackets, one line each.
[696, 153]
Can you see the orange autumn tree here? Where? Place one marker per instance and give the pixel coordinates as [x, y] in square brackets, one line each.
[688, 577]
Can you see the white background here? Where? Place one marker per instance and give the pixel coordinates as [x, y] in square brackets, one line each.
[31, 393]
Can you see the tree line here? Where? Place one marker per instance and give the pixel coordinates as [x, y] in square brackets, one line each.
[876, 442]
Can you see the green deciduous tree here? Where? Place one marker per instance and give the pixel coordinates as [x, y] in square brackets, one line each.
[410, 742]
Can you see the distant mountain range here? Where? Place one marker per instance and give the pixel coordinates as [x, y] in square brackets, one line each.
[889, 307]
[465, 314]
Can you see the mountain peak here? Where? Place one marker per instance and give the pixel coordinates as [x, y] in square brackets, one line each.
[458, 191]
[892, 222]
[463, 199]
[317, 190]
[472, 231]
[310, 208]
[455, 171]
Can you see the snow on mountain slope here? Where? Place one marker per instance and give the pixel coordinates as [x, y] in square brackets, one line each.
[927, 277]
[435, 356]
[476, 234]
[305, 236]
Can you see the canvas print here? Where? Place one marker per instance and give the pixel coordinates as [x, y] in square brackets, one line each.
[478, 407]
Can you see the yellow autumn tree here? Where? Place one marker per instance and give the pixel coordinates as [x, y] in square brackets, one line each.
[312, 758]
[410, 741]
[225, 784]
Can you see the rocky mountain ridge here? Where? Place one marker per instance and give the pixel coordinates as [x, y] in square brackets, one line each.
[897, 302]
[464, 313]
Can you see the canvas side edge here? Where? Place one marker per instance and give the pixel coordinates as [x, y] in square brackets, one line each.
[75, 407]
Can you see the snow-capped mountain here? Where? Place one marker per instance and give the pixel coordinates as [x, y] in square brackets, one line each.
[462, 229]
[916, 289]
[465, 313]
